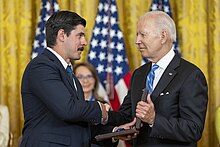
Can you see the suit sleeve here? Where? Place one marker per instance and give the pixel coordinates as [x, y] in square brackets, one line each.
[188, 124]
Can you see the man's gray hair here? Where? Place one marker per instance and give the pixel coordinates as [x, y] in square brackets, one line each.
[163, 21]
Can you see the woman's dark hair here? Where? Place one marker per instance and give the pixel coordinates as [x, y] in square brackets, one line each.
[65, 20]
[92, 69]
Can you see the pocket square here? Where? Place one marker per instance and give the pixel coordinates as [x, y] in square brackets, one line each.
[161, 94]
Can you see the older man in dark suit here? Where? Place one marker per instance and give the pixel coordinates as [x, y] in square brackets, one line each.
[174, 113]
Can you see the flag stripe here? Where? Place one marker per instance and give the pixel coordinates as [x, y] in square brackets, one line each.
[121, 90]
[115, 103]
[127, 79]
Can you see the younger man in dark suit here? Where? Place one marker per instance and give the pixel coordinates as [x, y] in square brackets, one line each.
[55, 110]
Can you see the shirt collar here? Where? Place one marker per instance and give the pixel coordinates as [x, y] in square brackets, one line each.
[164, 62]
[63, 62]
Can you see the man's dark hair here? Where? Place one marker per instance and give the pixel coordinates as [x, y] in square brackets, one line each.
[65, 20]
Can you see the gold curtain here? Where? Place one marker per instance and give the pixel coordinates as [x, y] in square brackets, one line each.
[198, 29]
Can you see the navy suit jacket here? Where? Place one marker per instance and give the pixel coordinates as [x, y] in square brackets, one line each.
[55, 113]
[180, 99]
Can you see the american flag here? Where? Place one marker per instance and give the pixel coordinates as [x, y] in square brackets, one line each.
[107, 53]
[48, 7]
[163, 5]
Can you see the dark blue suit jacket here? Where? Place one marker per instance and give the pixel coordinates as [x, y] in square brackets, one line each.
[55, 113]
[180, 100]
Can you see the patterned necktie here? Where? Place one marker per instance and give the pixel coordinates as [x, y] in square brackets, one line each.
[69, 71]
[70, 74]
[150, 78]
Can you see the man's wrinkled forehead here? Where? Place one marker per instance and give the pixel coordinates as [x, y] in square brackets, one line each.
[146, 19]
[145, 23]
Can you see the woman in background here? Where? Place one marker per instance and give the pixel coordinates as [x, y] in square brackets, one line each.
[87, 75]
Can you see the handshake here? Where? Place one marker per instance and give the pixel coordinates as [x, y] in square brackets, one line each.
[105, 108]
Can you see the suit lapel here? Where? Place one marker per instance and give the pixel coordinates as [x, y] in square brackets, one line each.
[167, 77]
[79, 91]
[64, 75]
[142, 78]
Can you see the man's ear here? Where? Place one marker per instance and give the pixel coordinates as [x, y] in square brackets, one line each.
[163, 36]
[60, 35]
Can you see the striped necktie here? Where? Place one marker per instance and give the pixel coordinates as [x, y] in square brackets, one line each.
[150, 78]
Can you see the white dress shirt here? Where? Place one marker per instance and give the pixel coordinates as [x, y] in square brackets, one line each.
[162, 63]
